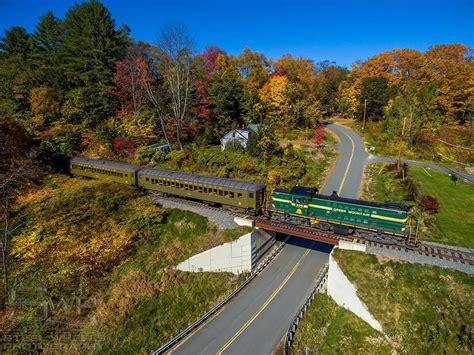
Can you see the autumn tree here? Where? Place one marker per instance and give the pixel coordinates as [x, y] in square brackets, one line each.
[225, 92]
[275, 101]
[450, 66]
[375, 94]
[330, 78]
[126, 78]
[266, 142]
[152, 84]
[15, 168]
[254, 68]
[174, 61]
[209, 58]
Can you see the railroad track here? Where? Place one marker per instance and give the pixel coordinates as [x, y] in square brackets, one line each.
[422, 249]
[443, 253]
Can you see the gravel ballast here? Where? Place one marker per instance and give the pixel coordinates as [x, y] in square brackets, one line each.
[223, 220]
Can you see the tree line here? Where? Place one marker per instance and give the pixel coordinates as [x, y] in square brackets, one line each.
[82, 82]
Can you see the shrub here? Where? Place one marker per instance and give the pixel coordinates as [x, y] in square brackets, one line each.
[123, 146]
[160, 156]
[411, 189]
[274, 177]
[143, 155]
[306, 180]
[247, 166]
[429, 204]
[177, 156]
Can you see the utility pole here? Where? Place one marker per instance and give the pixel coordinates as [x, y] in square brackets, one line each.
[402, 139]
[365, 112]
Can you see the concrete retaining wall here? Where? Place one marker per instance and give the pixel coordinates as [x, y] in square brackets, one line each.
[344, 293]
[343, 244]
[241, 255]
[243, 221]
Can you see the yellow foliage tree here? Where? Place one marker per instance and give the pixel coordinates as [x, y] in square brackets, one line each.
[273, 95]
[44, 105]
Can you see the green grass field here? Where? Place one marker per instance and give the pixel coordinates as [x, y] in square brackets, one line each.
[113, 247]
[454, 222]
[422, 309]
[327, 328]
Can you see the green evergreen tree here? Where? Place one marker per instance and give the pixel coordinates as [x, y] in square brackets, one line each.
[90, 49]
[45, 58]
[14, 72]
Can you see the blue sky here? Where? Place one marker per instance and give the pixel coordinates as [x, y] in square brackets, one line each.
[342, 31]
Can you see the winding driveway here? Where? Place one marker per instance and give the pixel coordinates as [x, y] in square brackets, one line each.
[347, 175]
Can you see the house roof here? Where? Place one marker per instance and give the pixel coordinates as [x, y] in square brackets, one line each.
[254, 127]
[106, 164]
[244, 133]
[211, 180]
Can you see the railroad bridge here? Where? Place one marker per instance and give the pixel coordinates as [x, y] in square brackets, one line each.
[443, 253]
[305, 232]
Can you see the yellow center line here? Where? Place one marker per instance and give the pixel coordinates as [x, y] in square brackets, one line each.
[348, 166]
[273, 295]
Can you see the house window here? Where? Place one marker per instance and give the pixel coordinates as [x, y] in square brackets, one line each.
[251, 194]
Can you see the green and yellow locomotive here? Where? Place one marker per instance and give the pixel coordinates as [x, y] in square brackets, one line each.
[342, 215]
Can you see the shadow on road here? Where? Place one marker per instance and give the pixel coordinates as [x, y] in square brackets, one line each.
[306, 243]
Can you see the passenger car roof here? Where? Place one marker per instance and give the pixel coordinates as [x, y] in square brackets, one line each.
[210, 180]
[106, 164]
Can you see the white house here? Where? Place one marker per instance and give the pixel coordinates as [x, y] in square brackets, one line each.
[242, 135]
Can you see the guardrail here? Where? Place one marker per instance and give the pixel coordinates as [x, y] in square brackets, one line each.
[290, 334]
[201, 319]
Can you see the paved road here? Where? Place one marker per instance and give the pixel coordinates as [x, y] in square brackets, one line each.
[347, 174]
[256, 320]
[461, 174]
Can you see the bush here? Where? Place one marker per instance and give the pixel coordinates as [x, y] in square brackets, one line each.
[234, 146]
[274, 177]
[123, 146]
[177, 156]
[247, 166]
[143, 155]
[160, 156]
[65, 143]
[429, 204]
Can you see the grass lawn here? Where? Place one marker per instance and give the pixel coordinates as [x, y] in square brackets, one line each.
[113, 247]
[327, 328]
[423, 309]
[454, 222]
